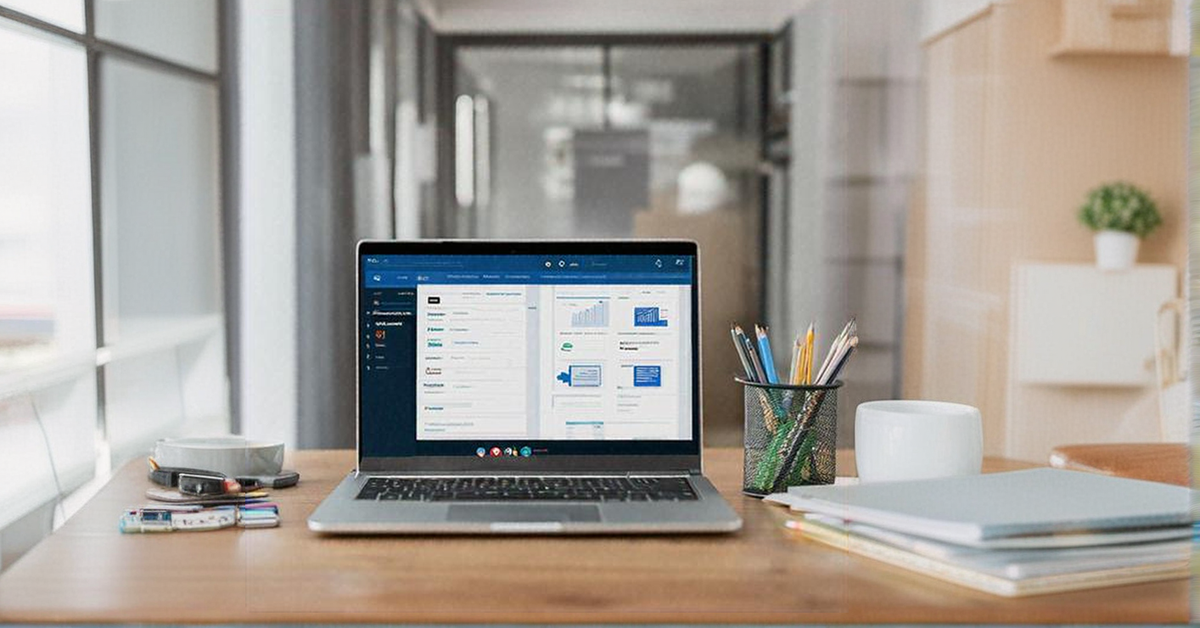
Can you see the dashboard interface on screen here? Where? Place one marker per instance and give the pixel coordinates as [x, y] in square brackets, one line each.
[524, 355]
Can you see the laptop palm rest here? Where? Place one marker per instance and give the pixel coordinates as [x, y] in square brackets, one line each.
[522, 513]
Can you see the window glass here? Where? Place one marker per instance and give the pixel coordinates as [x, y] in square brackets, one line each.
[161, 242]
[623, 141]
[65, 13]
[47, 310]
[542, 97]
[180, 30]
[160, 201]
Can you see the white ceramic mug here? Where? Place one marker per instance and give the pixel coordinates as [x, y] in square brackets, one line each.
[915, 440]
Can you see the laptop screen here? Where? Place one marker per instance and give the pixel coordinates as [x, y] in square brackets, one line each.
[526, 355]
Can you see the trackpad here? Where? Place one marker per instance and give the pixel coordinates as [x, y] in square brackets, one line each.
[528, 513]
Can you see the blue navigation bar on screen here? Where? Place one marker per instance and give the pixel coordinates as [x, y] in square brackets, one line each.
[397, 271]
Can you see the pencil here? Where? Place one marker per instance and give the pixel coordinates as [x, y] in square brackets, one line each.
[835, 349]
[836, 370]
[809, 337]
[760, 375]
[741, 352]
[765, 355]
[797, 371]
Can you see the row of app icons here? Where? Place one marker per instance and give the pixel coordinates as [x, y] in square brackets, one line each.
[496, 452]
[658, 263]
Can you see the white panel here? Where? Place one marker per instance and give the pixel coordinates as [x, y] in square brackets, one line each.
[1077, 325]
[267, 283]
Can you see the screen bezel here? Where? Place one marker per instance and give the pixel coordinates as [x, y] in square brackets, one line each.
[566, 463]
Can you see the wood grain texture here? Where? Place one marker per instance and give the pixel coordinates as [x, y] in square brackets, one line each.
[1014, 139]
[1156, 462]
[87, 571]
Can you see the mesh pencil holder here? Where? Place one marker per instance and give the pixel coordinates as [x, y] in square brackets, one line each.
[790, 436]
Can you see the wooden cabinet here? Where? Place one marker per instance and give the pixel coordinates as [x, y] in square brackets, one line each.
[1123, 27]
[1014, 139]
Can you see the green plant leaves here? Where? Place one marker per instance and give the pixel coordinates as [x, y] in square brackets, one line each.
[1120, 206]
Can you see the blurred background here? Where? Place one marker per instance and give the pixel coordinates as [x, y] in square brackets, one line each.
[182, 183]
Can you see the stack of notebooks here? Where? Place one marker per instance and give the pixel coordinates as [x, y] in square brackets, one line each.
[1012, 534]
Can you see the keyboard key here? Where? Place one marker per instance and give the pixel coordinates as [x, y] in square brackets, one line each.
[639, 489]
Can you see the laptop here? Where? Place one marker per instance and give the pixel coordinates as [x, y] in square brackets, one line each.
[527, 387]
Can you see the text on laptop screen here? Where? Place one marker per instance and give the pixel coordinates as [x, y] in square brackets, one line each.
[520, 355]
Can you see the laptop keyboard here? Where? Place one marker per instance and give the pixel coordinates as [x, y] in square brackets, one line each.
[590, 489]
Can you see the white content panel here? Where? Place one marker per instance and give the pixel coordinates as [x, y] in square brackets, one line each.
[1078, 325]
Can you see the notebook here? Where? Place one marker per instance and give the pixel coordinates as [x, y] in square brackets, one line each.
[1010, 573]
[1031, 508]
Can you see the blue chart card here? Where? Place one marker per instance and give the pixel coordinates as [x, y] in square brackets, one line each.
[647, 376]
[648, 317]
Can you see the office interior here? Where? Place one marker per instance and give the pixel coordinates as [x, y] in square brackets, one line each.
[183, 183]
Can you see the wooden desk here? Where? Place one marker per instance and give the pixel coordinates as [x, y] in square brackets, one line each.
[87, 571]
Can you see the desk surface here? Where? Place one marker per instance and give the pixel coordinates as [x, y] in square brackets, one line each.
[87, 571]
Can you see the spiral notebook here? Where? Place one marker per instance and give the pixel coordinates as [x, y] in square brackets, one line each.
[1031, 508]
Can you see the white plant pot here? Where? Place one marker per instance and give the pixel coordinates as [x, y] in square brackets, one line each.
[1116, 250]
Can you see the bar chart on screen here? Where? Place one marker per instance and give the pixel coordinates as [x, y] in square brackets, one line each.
[591, 316]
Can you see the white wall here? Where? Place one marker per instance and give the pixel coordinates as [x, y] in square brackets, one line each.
[938, 16]
[856, 84]
[267, 285]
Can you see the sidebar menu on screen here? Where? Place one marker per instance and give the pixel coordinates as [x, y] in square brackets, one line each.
[388, 365]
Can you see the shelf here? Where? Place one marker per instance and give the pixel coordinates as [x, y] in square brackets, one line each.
[878, 81]
[1062, 51]
[144, 336]
[50, 373]
[860, 180]
[140, 337]
[893, 262]
[1130, 27]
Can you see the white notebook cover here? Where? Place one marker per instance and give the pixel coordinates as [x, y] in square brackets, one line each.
[980, 510]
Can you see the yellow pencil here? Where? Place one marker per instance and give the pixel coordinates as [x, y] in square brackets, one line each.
[803, 366]
[808, 354]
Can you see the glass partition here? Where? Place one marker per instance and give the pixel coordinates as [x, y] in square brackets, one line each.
[619, 140]
[161, 237]
[183, 31]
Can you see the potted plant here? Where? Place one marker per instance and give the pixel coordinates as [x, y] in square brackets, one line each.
[1120, 214]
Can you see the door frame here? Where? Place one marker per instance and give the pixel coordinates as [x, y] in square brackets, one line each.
[446, 72]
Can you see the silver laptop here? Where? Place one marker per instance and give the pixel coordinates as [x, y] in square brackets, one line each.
[527, 387]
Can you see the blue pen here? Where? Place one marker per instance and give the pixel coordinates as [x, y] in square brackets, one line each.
[764, 349]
